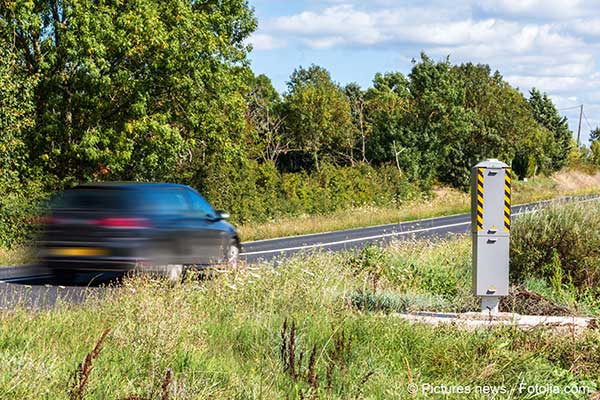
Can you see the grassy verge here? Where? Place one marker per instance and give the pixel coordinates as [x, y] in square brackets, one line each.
[442, 202]
[319, 326]
[19, 255]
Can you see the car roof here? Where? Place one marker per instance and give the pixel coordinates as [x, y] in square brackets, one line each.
[129, 185]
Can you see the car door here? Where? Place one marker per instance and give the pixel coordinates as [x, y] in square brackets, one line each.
[208, 238]
[169, 208]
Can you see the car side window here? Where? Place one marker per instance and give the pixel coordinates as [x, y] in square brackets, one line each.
[167, 201]
[200, 206]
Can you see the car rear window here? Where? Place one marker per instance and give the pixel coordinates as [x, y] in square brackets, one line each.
[91, 199]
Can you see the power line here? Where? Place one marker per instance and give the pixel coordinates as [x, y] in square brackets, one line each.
[579, 129]
[588, 121]
[569, 108]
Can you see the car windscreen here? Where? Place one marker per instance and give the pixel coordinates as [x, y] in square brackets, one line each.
[91, 199]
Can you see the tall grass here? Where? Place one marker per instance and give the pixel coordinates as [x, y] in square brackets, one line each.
[231, 336]
[561, 245]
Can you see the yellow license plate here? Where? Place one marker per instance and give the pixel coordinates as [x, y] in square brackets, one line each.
[78, 251]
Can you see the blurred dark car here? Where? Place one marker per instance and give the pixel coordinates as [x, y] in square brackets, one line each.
[123, 226]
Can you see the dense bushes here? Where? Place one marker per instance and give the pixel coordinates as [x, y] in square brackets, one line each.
[17, 210]
[561, 244]
[259, 192]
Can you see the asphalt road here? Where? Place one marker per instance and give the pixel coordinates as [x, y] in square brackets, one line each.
[34, 287]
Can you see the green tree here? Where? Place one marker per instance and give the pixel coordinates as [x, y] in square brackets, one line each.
[443, 119]
[17, 115]
[503, 125]
[595, 134]
[20, 183]
[132, 90]
[391, 139]
[595, 145]
[548, 117]
[440, 119]
[318, 115]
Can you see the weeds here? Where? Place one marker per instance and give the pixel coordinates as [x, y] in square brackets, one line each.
[288, 349]
[369, 263]
[164, 389]
[165, 385]
[84, 370]
[337, 355]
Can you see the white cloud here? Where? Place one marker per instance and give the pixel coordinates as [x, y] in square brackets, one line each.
[553, 84]
[351, 26]
[586, 26]
[343, 22]
[556, 9]
[262, 41]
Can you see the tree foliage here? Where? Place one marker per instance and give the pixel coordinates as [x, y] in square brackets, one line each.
[17, 116]
[442, 119]
[549, 118]
[318, 115]
[264, 114]
[595, 146]
[131, 90]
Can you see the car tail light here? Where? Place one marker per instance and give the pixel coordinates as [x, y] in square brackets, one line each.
[122, 222]
[45, 220]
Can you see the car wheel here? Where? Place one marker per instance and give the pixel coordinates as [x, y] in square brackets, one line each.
[171, 272]
[233, 253]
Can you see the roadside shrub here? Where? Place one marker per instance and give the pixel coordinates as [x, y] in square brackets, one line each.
[559, 243]
[17, 210]
[258, 192]
[249, 190]
[370, 263]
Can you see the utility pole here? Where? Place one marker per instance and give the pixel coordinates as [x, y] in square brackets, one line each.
[579, 129]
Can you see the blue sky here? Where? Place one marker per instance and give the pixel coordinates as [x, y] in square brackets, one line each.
[553, 45]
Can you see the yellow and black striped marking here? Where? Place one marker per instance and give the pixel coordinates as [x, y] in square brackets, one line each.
[507, 200]
[479, 199]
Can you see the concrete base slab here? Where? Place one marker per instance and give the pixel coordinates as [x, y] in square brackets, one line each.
[474, 320]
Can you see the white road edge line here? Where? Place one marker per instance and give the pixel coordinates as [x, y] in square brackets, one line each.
[433, 228]
[24, 278]
[310, 246]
